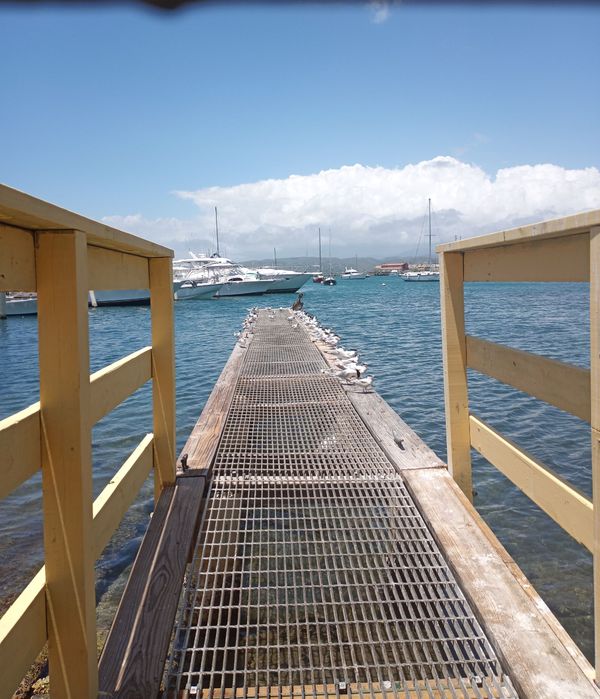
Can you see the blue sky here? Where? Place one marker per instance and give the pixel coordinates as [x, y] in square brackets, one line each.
[109, 111]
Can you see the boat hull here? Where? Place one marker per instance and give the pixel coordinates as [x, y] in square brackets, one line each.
[288, 285]
[197, 291]
[244, 288]
[433, 277]
[21, 307]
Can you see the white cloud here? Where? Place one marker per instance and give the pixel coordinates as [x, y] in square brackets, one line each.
[380, 11]
[373, 210]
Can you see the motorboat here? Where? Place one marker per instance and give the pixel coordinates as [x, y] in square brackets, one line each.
[329, 281]
[285, 281]
[350, 273]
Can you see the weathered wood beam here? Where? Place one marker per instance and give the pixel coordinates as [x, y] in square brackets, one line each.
[555, 228]
[549, 260]
[595, 423]
[110, 269]
[563, 385]
[17, 262]
[20, 448]
[456, 393]
[67, 462]
[567, 506]
[111, 385]
[22, 634]
[25, 211]
[163, 372]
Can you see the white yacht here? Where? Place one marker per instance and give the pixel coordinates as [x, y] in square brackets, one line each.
[285, 281]
[193, 280]
[350, 273]
[20, 304]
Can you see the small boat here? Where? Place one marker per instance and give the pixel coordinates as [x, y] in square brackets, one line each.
[330, 281]
[20, 303]
[426, 274]
[318, 278]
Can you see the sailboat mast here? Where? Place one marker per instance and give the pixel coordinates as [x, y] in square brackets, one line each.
[429, 233]
[320, 261]
[217, 231]
[275, 257]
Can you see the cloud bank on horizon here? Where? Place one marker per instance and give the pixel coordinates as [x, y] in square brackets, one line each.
[373, 211]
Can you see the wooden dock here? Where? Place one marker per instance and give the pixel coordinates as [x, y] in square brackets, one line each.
[334, 556]
[306, 543]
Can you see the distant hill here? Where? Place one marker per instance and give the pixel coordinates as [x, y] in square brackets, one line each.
[338, 264]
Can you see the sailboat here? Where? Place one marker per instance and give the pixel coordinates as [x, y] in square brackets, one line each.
[330, 280]
[424, 275]
[351, 273]
[318, 278]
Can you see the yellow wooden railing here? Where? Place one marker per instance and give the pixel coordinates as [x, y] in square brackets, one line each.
[61, 255]
[563, 250]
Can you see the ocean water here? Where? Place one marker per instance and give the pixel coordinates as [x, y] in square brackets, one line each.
[396, 328]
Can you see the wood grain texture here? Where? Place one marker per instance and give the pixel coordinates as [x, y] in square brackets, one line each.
[20, 448]
[17, 261]
[67, 462]
[111, 269]
[163, 372]
[111, 385]
[403, 447]
[204, 438]
[595, 422]
[542, 661]
[563, 385]
[563, 259]
[20, 209]
[559, 227]
[132, 661]
[567, 506]
[22, 634]
[456, 392]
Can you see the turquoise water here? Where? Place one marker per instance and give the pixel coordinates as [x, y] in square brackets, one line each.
[396, 328]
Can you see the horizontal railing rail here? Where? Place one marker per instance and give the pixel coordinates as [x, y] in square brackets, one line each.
[60, 256]
[563, 250]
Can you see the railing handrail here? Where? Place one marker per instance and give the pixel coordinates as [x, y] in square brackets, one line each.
[563, 250]
[61, 255]
[553, 228]
[25, 211]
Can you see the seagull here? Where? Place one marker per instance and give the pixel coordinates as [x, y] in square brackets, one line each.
[366, 383]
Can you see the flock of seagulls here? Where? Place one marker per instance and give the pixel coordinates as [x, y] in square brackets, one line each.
[346, 363]
[346, 367]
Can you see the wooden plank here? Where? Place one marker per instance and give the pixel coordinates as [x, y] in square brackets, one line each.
[541, 659]
[420, 689]
[564, 503]
[595, 422]
[20, 448]
[110, 269]
[116, 498]
[22, 634]
[163, 372]
[563, 385]
[403, 447]
[17, 262]
[566, 226]
[456, 392]
[61, 267]
[133, 657]
[113, 384]
[552, 260]
[204, 438]
[20, 209]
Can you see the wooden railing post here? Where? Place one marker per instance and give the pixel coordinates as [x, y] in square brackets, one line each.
[61, 271]
[163, 371]
[455, 370]
[595, 422]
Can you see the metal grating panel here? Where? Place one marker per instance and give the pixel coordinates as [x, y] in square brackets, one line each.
[314, 573]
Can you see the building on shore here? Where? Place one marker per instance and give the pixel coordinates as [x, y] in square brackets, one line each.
[386, 268]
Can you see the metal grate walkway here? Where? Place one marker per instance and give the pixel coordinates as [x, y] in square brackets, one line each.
[314, 573]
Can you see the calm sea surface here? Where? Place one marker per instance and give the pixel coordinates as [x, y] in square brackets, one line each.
[396, 328]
